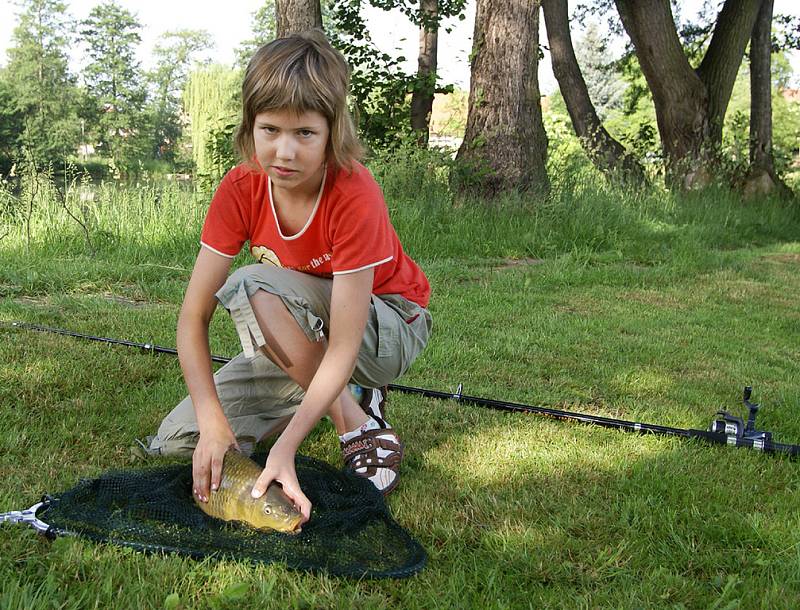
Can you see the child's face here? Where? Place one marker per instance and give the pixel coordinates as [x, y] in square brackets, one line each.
[292, 148]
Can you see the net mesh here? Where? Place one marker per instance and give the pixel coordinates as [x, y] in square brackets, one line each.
[351, 532]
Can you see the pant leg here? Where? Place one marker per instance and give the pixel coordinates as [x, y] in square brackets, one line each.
[258, 400]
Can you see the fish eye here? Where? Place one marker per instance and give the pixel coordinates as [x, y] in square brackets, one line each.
[267, 509]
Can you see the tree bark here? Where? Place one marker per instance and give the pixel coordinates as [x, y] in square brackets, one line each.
[762, 179]
[293, 16]
[761, 90]
[607, 154]
[505, 144]
[690, 104]
[422, 96]
[721, 62]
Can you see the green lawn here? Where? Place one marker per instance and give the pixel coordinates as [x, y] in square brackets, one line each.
[661, 315]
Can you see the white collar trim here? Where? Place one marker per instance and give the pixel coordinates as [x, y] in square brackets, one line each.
[310, 217]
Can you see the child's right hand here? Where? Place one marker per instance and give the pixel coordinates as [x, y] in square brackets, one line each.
[207, 459]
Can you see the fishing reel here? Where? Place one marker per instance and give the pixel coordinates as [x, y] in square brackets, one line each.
[735, 427]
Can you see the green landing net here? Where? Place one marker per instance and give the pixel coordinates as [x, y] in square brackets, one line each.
[351, 532]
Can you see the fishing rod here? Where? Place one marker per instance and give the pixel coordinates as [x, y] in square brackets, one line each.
[725, 428]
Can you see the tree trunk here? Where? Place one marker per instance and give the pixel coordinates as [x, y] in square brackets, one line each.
[607, 154]
[762, 179]
[721, 62]
[761, 90]
[680, 99]
[422, 96]
[505, 144]
[690, 104]
[293, 16]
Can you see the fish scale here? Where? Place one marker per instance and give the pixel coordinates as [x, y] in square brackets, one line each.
[233, 502]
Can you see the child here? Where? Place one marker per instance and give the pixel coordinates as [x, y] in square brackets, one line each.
[332, 299]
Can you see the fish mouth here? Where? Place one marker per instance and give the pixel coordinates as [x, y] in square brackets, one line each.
[294, 525]
[290, 526]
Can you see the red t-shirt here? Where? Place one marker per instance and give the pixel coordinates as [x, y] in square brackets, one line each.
[348, 230]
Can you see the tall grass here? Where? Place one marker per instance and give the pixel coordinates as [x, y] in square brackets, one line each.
[584, 216]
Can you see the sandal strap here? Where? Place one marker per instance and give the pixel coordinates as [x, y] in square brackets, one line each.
[362, 451]
[366, 401]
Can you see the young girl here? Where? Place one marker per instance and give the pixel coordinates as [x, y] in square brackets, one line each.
[332, 299]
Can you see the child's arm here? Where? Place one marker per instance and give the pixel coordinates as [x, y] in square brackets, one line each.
[350, 301]
[216, 436]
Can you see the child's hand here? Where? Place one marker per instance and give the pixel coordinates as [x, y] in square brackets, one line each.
[207, 459]
[280, 468]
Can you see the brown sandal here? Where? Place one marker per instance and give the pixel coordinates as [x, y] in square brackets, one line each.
[361, 456]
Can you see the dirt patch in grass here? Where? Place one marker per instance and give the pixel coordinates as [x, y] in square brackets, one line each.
[32, 301]
[116, 299]
[512, 263]
[786, 258]
[656, 298]
[125, 301]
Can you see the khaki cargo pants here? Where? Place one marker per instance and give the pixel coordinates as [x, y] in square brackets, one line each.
[258, 398]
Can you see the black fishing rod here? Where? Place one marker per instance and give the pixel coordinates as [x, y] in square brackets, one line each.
[725, 429]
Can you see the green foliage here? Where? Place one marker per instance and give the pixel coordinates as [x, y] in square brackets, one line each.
[263, 31]
[175, 53]
[785, 124]
[606, 87]
[11, 123]
[40, 93]
[379, 87]
[115, 83]
[212, 101]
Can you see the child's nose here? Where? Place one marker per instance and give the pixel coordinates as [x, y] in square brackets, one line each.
[286, 148]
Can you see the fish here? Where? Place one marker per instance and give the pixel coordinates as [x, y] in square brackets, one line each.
[232, 500]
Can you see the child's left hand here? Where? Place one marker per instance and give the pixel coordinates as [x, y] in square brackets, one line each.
[280, 468]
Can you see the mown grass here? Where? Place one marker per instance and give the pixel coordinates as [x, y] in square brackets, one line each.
[640, 305]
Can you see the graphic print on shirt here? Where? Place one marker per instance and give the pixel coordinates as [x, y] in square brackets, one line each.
[264, 255]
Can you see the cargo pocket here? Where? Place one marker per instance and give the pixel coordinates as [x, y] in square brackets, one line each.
[388, 337]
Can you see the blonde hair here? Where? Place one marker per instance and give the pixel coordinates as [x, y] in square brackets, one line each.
[303, 73]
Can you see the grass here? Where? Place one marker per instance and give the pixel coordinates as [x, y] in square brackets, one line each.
[644, 306]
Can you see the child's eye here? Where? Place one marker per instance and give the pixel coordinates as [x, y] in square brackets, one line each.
[306, 133]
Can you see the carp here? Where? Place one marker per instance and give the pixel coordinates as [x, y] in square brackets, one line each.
[233, 502]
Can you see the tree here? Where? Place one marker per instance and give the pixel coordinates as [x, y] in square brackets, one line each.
[606, 88]
[690, 103]
[114, 80]
[427, 16]
[505, 144]
[607, 154]
[762, 178]
[175, 53]
[422, 96]
[378, 85]
[293, 16]
[11, 124]
[212, 102]
[41, 93]
[264, 30]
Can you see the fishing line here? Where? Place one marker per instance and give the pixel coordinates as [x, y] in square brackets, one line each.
[725, 429]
